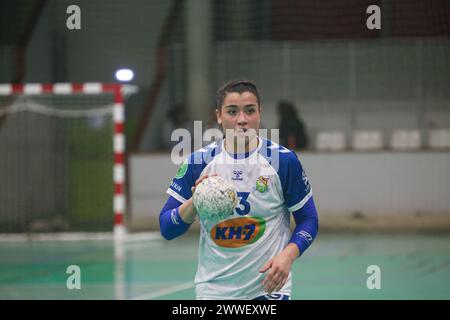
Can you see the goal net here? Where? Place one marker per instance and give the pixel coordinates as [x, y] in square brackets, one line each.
[61, 158]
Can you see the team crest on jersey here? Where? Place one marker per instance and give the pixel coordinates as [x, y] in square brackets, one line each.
[262, 184]
[238, 232]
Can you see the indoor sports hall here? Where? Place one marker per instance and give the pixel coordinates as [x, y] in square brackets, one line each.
[93, 95]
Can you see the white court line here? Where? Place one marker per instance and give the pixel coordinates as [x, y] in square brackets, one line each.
[165, 291]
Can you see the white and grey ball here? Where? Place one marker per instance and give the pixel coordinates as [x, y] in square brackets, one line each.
[215, 198]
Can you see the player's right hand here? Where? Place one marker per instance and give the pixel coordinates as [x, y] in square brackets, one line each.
[199, 180]
[187, 209]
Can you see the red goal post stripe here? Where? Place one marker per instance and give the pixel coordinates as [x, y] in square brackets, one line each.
[118, 119]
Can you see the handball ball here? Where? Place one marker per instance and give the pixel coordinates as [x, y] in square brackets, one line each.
[215, 198]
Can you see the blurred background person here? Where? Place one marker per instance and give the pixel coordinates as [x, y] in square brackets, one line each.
[293, 132]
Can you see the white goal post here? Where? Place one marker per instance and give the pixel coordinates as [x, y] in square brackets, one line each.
[18, 98]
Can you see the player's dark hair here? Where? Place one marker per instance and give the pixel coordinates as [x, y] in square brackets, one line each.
[238, 86]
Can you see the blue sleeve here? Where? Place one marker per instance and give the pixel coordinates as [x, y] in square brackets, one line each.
[307, 226]
[170, 222]
[294, 182]
[184, 180]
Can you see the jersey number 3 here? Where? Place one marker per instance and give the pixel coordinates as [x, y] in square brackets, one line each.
[243, 202]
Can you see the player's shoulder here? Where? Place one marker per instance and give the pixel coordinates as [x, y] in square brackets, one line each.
[205, 154]
[277, 154]
[194, 164]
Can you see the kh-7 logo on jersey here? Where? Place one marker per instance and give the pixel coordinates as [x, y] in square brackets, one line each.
[238, 232]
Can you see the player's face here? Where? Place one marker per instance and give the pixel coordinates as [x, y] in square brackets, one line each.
[239, 113]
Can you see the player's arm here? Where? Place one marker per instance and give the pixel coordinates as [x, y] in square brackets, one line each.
[299, 200]
[307, 225]
[170, 221]
[175, 217]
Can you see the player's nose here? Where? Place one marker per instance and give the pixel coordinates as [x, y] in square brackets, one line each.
[242, 118]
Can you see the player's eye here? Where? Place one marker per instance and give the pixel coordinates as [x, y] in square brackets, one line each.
[251, 110]
[231, 112]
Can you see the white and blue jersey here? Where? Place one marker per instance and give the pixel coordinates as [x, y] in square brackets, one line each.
[271, 184]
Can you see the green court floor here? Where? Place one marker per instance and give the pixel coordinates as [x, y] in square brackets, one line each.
[335, 267]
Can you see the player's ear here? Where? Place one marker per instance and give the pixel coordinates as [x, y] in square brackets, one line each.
[219, 120]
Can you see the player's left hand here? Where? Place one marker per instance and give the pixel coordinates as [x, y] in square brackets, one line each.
[279, 266]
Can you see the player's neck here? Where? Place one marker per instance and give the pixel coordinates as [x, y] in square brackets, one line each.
[239, 146]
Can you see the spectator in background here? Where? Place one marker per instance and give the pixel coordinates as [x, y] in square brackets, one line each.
[293, 133]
